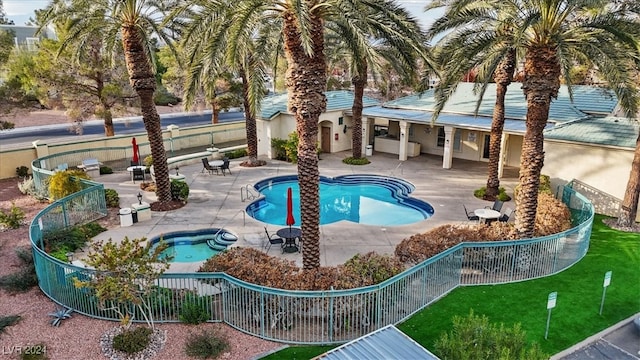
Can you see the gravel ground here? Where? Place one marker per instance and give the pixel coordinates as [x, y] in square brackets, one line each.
[79, 336]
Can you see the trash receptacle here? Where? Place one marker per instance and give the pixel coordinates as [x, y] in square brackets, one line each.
[134, 216]
[368, 150]
[126, 219]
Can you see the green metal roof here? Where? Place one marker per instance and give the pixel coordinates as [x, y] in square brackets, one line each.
[587, 99]
[610, 131]
[336, 100]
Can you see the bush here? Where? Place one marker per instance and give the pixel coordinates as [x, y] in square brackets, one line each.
[148, 161]
[8, 320]
[111, 198]
[502, 195]
[70, 239]
[236, 154]
[179, 190]
[22, 171]
[28, 187]
[23, 279]
[6, 125]
[286, 150]
[163, 97]
[279, 152]
[132, 340]
[105, 170]
[206, 345]
[473, 337]
[65, 183]
[368, 269]
[195, 310]
[356, 161]
[13, 218]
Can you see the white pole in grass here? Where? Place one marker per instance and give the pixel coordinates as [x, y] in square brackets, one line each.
[607, 282]
[551, 303]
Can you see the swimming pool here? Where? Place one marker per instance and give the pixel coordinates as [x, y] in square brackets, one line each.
[194, 245]
[362, 199]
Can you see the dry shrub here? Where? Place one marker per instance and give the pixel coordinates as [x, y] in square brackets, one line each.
[322, 278]
[552, 217]
[368, 269]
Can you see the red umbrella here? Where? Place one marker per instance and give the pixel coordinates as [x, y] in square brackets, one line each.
[136, 151]
[290, 219]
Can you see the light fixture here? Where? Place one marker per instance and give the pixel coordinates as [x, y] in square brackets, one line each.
[139, 198]
[345, 129]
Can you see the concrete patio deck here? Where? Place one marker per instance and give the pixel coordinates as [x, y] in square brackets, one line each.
[214, 201]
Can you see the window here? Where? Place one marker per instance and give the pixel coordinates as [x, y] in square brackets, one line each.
[32, 43]
[457, 139]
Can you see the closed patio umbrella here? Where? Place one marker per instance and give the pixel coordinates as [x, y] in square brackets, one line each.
[290, 219]
[136, 151]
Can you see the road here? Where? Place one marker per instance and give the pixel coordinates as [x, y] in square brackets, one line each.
[25, 136]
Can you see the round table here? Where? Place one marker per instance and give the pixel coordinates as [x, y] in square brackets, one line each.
[484, 214]
[139, 167]
[290, 234]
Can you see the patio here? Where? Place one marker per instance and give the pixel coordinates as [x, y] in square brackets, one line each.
[215, 201]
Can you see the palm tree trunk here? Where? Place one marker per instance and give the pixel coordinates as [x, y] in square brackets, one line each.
[215, 107]
[359, 82]
[306, 80]
[541, 84]
[503, 76]
[143, 82]
[250, 120]
[629, 208]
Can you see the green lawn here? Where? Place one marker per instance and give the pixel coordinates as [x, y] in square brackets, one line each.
[574, 318]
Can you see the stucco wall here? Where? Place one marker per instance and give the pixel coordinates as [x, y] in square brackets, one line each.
[606, 169]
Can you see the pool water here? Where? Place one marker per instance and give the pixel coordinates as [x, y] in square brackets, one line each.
[194, 245]
[362, 199]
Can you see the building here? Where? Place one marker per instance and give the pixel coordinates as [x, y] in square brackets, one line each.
[26, 37]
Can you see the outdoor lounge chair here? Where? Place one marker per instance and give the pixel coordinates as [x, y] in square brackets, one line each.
[497, 206]
[208, 167]
[273, 240]
[470, 216]
[225, 166]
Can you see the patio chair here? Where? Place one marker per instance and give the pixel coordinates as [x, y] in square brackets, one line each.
[138, 174]
[225, 166]
[497, 206]
[208, 167]
[470, 216]
[507, 214]
[135, 163]
[273, 240]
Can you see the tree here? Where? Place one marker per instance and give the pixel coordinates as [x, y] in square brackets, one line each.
[487, 50]
[130, 23]
[555, 35]
[126, 274]
[3, 16]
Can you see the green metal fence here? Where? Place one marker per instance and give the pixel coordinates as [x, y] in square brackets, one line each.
[314, 317]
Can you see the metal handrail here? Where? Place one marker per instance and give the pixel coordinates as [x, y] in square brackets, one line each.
[246, 193]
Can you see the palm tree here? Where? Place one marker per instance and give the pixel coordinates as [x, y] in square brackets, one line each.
[385, 33]
[555, 35]
[211, 55]
[129, 22]
[487, 48]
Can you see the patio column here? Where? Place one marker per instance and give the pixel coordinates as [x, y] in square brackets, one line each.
[365, 133]
[404, 140]
[447, 156]
[503, 154]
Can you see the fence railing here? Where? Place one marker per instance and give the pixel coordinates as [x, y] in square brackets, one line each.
[603, 203]
[313, 317]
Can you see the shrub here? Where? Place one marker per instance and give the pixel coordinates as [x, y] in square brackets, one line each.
[13, 218]
[65, 183]
[22, 171]
[105, 170]
[473, 337]
[279, 152]
[132, 340]
[195, 310]
[148, 161]
[70, 239]
[286, 150]
[6, 125]
[368, 269]
[502, 194]
[356, 161]
[206, 345]
[236, 153]
[8, 320]
[28, 187]
[179, 190]
[111, 198]
[163, 97]
[23, 279]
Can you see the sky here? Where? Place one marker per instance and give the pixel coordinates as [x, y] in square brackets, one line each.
[20, 10]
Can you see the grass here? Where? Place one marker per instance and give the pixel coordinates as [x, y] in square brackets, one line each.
[575, 317]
